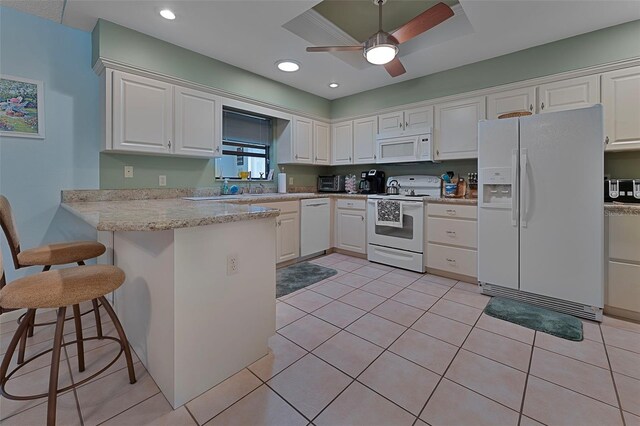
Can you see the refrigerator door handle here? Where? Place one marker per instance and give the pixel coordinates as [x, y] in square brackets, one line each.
[514, 187]
[524, 191]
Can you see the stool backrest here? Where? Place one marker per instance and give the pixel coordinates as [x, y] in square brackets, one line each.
[8, 225]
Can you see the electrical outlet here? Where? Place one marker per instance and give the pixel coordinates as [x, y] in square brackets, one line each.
[162, 180]
[232, 264]
[128, 171]
[290, 180]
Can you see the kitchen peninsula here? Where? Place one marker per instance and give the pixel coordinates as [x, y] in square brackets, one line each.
[198, 303]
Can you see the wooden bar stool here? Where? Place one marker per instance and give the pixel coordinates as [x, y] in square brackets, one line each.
[59, 289]
[47, 256]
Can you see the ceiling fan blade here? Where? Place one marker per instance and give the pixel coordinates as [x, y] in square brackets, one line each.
[423, 22]
[333, 48]
[395, 68]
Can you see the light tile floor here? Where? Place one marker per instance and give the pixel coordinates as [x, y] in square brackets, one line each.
[370, 346]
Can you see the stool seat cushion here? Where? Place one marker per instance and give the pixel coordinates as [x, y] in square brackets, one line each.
[61, 253]
[61, 287]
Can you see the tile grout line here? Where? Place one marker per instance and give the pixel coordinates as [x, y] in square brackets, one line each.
[134, 405]
[445, 372]
[371, 363]
[613, 379]
[526, 379]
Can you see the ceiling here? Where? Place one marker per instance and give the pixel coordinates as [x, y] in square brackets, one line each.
[394, 14]
[250, 33]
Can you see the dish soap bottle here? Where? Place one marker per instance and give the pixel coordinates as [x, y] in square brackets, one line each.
[225, 187]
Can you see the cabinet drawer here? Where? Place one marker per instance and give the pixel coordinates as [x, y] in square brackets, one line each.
[452, 259]
[453, 210]
[283, 206]
[624, 238]
[343, 203]
[623, 289]
[451, 231]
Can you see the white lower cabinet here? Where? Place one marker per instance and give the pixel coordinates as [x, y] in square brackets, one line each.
[623, 275]
[287, 229]
[351, 226]
[452, 239]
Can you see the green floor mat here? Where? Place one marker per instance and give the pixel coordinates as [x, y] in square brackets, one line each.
[300, 275]
[535, 318]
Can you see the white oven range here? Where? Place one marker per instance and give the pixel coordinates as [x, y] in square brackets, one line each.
[402, 247]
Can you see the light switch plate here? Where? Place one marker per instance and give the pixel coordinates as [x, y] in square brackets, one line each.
[128, 171]
[162, 180]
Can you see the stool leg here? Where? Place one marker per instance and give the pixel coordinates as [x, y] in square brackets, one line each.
[79, 341]
[96, 312]
[17, 337]
[31, 327]
[52, 399]
[123, 338]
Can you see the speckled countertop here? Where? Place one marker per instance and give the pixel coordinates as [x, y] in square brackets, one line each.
[162, 214]
[621, 209]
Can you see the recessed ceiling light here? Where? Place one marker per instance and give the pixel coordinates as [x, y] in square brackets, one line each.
[168, 14]
[288, 65]
[333, 85]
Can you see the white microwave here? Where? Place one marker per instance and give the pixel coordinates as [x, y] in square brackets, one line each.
[402, 148]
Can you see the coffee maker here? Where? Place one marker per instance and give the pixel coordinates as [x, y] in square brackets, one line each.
[372, 182]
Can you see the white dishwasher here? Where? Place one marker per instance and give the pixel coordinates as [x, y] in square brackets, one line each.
[315, 226]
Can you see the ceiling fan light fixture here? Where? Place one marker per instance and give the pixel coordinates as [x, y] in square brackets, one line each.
[333, 85]
[288, 65]
[380, 49]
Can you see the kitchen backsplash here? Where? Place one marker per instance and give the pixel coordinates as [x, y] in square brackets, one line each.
[197, 173]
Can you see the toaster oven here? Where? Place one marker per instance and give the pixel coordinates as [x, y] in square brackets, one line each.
[331, 183]
[622, 190]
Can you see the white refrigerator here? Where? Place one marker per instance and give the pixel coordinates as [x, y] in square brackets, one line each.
[540, 215]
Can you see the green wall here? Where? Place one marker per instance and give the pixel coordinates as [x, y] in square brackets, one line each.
[124, 45]
[597, 47]
[115, 42]
[459, 167]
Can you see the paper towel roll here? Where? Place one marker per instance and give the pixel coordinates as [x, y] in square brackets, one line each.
[282, 183]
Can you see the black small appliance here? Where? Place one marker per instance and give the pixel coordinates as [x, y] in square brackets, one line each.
[372, 182]
[622, 190]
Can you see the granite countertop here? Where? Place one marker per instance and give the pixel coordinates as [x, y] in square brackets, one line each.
[463, 201]
[621, 209]
[162, 214]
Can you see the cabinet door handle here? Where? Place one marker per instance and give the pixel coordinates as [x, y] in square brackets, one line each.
[374, 156]
[542, 106]
[296, 156]
[362, 217]
[218, 148]
[437, 152]
[451, 260]
[606, 140]
[400, 125]
[316, 158]
[531, 107]
[169, 144]
[451, 212]
[406, 124]
[349, 159]
[452, 233]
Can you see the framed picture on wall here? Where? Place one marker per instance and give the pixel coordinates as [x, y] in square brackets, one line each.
[21, 107]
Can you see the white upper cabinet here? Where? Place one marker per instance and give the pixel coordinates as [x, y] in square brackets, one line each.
[621, 100]
[142, 114]
[511, 101]
[456, 128]
[198, 123]
[409, 119]
[569, 94]
[321, 143]
[302, 140]
[364, 140]
[342, 143]
[390, 122]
